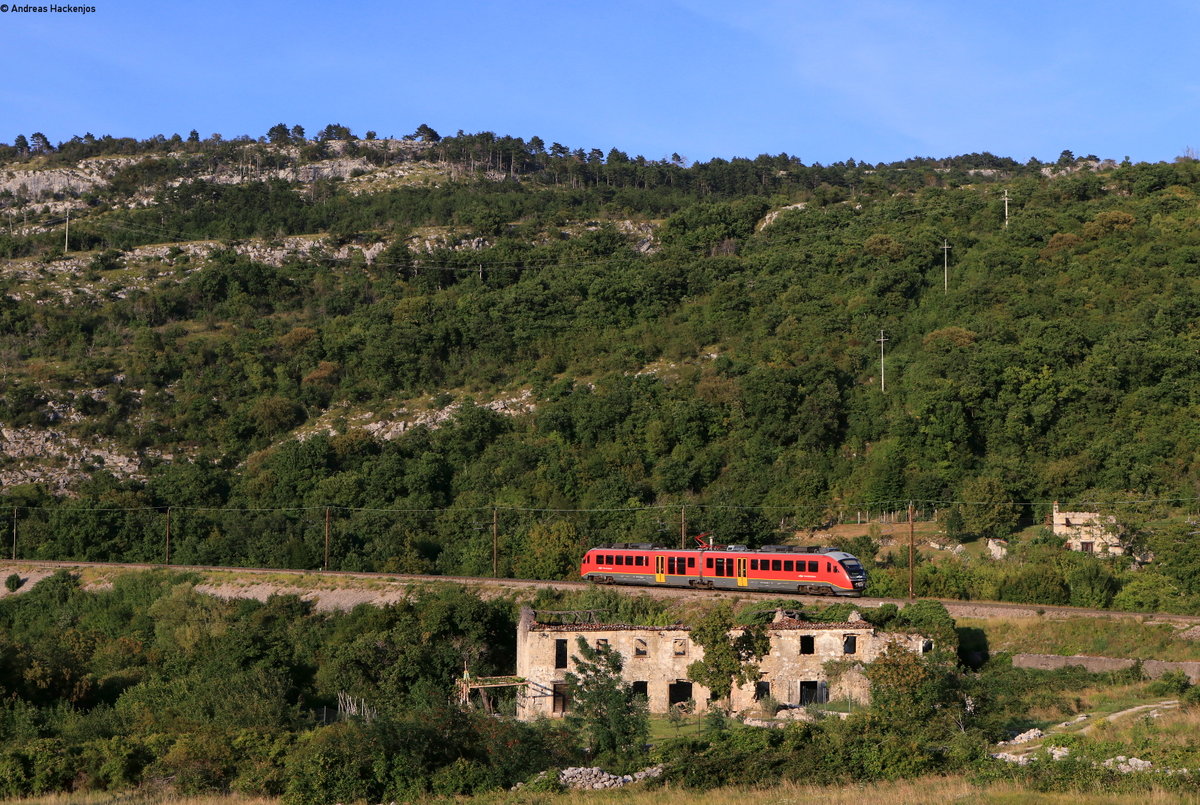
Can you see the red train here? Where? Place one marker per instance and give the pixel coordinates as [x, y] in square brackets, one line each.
[777, 568]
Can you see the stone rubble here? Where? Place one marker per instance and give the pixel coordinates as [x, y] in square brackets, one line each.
[1125, 765]
[1024, 737]
[593, 778]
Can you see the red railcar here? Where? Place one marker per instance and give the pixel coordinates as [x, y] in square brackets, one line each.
[779, 568]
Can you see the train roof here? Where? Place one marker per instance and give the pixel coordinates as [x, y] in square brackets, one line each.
[831, 552]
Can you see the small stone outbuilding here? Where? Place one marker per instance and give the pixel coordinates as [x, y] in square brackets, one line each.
[656, 659]
[1088, 532]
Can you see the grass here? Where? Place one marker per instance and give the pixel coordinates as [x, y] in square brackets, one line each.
[956, 789]
[1101, 637]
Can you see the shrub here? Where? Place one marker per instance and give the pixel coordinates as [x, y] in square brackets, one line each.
[13, 582]
[1172, 683]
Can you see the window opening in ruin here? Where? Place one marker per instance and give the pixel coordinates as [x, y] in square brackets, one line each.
[1087, 547]
[926, 646]
[640, 689]
[679, 647]
[561, 700]
[639, 647]
[762, 689]
[602, 641]
[849, 644]
[679, 692]
[807, 644]
[560, 653]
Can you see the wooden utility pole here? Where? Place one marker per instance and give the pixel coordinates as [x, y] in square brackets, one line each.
[495, 542]
[14, 554]
[168, 553]
[682, 527]
[881, 339]
[1006, 208]
[945, 265]
[67, 232]
[326, 567]
[911, 551]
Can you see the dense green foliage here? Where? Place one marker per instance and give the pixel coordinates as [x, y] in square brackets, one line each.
[733, 368]
[153, 680]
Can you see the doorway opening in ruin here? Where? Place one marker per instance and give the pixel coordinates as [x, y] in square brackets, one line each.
[762, 689]
[640, 689]
[679, 692]
[562, 699]
[812, 692]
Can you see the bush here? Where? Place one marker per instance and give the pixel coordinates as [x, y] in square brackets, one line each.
[13, 582]
[1172, 683]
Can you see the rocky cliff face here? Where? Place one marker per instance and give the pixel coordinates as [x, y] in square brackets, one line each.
[58, 461]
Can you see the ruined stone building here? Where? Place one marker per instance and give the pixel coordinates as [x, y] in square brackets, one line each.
[1089, 532]
[656, 659]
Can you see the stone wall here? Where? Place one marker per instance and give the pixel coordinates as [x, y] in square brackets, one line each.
[1151, 668]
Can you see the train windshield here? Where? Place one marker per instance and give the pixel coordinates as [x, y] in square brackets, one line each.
[853, 567]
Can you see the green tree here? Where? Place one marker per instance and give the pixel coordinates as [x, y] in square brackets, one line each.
[279, 134]
[602, 705]
[729, 659]
[987, 509]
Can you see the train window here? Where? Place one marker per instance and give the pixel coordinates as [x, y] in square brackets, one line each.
[708, 563]
[671, 565]
[691, 561]
[828, 567]
[620, 560]
[776, 564]
[850, 644]
[754, 564]
[812, 567]
[641, 561]
[787, 565]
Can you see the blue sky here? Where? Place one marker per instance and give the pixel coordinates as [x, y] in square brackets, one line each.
[823, 80]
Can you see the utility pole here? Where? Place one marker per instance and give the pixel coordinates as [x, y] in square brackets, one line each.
[168, 556]
[682, 527]
[326, 538]
[945, 265]
[14, 555]
[881, 339]
[495, 552]
[67, 232]
[911, 551]
[1006, 208]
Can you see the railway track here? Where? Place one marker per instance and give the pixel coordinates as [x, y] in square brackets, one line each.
[956, 608]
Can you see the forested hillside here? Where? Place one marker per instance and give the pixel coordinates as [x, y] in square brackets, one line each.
[417, 338]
